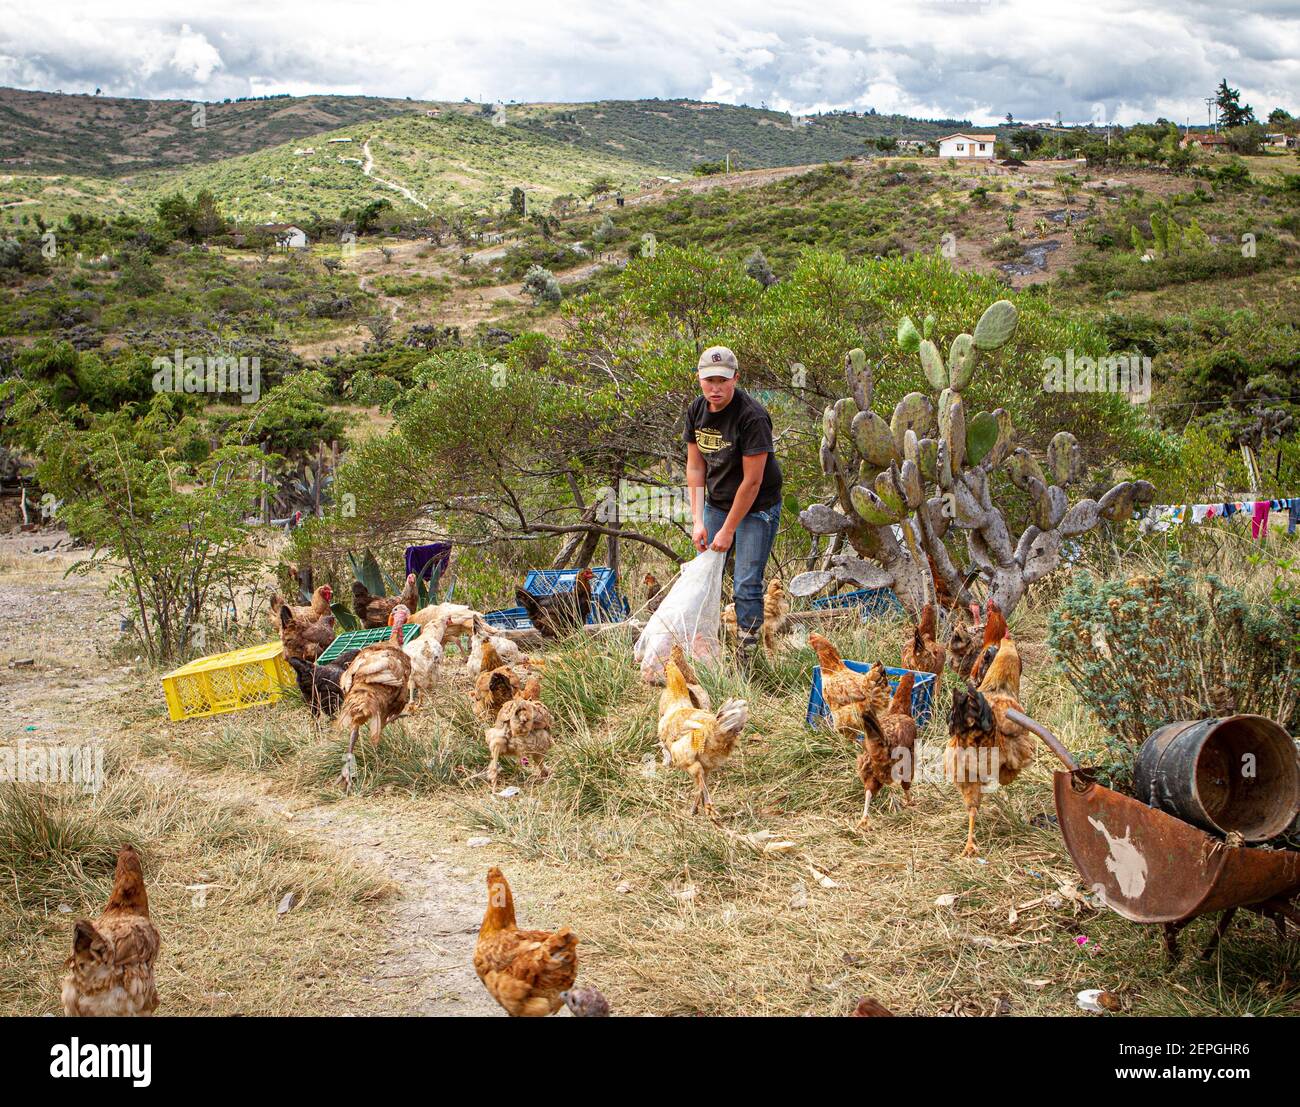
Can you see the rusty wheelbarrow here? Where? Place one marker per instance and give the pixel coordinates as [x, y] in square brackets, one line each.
[1151, 867]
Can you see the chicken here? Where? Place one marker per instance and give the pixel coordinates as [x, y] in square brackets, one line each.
[730, 628]
[425, 652]
[855, 700]
[891, 760]
[319, 684]
[697, 741]
[983, 743]
[963, 647]
[374, 690]
[923, 653]
[495, 685]
[507, 651]
[523, 730]
[654, 594]
[561, 612]
[317, 609]
[526, 971]
[776, 607]
[111, 970]
[995, 628]
[373, 611]
[699, 698]
[586, 1003]
[453, 620]
[871, 1008]
[305, 637]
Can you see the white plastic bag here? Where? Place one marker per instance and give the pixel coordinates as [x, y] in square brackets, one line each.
[689, 614]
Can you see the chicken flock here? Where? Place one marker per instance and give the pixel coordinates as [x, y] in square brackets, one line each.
[534, 972]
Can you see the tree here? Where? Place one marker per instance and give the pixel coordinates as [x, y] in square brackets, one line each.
[601, 186]
[541, 285]
[366, 216]
[1027, 139]
[1247, 139]
[171, 529]
[1279, 117]
[190, 221]
[1231, 113]
[518, 202]
[756, 265]
[886, 144]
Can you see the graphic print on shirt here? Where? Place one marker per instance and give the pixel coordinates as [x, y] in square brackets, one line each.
[710, 441]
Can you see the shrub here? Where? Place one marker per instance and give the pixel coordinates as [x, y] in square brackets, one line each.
[1150, 650]
[542, 286]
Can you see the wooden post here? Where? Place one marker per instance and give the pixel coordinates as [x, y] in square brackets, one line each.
[320, 471]
[265, 512]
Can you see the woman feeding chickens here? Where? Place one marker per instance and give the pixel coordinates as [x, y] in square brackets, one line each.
[734, 481]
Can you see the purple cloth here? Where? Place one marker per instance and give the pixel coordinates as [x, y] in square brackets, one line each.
[420, 558]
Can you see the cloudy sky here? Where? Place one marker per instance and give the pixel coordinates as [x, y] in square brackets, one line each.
[978, 59]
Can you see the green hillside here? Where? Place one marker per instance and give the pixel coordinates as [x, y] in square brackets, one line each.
[289, 158]
[679, 134]
[104, 135]
[453, 161]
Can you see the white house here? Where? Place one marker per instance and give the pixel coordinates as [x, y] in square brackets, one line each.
[286, 235]
[967, 146]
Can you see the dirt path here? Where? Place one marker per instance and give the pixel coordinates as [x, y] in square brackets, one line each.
[72, 693]
[424, 959]
[368, 168]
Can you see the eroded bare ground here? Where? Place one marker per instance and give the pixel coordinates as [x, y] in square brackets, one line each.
[83, 684]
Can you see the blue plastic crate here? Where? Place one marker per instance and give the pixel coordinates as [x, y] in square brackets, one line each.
[509, 618]
[922, 692]
[609, 606]
[874, 602]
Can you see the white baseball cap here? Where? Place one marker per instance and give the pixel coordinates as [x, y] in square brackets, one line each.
[718, 361]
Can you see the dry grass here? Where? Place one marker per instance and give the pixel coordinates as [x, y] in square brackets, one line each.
[677, 915]
[230, 956]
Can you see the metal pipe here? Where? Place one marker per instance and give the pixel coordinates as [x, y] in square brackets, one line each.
[1053, 742]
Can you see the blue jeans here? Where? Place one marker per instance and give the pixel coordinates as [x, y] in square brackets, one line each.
[750, 548]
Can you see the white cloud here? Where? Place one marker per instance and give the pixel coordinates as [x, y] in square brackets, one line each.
[950, 58]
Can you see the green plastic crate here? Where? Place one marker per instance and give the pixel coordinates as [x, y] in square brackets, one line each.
[356, 639]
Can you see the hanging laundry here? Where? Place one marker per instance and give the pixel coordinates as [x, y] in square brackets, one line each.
[1259, 519]
[420, 558]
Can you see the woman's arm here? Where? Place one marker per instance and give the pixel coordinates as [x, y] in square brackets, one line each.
[695, 474]
[750, 482]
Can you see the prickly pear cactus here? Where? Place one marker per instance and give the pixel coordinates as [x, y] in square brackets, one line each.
[925, 470]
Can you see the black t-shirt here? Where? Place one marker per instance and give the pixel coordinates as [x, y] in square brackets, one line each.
[741, 429]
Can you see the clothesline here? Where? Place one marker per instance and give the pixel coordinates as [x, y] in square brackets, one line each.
[1160, 517]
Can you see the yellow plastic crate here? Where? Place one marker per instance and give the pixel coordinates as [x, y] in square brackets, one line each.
[228, 681]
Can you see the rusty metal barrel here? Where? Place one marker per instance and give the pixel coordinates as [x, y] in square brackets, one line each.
[1234, 774]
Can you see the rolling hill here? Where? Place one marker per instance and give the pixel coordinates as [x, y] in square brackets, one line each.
[285, 158]
[98, 136]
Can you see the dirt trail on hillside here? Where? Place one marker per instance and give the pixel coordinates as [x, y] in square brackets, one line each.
[72, 693]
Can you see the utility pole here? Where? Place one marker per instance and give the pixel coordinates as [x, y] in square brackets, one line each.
[1211, 116]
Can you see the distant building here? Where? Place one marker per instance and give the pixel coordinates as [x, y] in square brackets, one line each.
[340, 140]
[1280, 139]
[912, 144]
[286, 235]
[967, 146]
[1204, 139]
